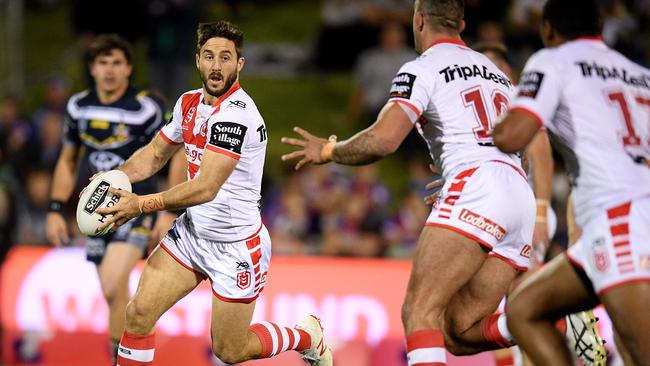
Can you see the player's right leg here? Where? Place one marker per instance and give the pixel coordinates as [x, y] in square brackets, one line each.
[471, 325]
[238, 274]
[444, 262]
[164, 281]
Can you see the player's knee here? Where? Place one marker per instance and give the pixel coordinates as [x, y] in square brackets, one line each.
[455, 345]
[113, 291]
[138, 318]
[420, 312]
[227, 353]
[453, 333]
[520, 310]
[407, 310]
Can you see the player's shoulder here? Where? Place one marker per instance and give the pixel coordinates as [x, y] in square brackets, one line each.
[241, 106]
[148, 97]
[187, 99]
[416, 66]
[546, 58]
[80, 99]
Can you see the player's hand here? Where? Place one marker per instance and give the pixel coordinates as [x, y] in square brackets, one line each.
[540, 240]
[164, 222]
[430, 199]
[124, 210]
[310, 148]
[57, 229]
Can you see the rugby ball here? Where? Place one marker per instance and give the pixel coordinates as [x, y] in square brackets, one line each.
[96, 195]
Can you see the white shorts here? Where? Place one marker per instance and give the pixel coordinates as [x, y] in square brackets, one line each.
[237, 270]
[493, 205]
[614, 248]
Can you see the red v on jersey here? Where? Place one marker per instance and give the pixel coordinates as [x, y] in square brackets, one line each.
[190, 105]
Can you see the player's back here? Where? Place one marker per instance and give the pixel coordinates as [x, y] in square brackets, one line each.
[458, 94]
[598, 105]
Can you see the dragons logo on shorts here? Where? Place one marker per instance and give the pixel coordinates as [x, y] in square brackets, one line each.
[244, 279]
[601, 258]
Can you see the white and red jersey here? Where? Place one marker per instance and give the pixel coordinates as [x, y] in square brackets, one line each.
[596, 105]
[234, 127]
[457, 94]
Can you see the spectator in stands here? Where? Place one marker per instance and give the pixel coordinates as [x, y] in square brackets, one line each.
[32, 209]
[55, 95]
[403, 229]
[15, 132]
[375, 71]
[7, 220]
[353, 229]
[350, 27]
[289, 222]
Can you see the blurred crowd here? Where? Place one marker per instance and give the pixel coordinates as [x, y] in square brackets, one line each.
[329, 210]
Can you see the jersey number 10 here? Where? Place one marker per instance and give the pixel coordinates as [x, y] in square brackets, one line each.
[473, 98]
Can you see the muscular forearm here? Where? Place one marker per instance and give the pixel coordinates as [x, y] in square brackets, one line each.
[63, 181]
[363, 148]
[186, 194]
[539, 152]
[193, 192]
[148, 160]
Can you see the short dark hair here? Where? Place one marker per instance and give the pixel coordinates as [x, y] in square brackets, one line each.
[105, 43]
[495, 47]
[443, 14]
[222, 29]
[573, 18]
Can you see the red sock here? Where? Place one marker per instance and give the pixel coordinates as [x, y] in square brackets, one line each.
[505, 361]
[276, 339]
[426, 347]
[561, 325]
[136, 350]
[495, 330]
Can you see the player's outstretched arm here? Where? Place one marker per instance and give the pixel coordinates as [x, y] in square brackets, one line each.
[367, 146]
[215, 169]
[148, 160]
[515, 131]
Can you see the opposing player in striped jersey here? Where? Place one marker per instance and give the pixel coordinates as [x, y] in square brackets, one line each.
[475, 241]
[596, 105]
[107, 123]
[221, 236]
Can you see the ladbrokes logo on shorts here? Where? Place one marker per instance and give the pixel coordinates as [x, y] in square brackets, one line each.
[482, 223]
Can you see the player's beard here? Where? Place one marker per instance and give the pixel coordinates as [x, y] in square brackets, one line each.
[229, 81]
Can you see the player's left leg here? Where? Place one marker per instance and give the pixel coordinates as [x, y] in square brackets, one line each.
[469, 321]
[627, 306]
[543, 299]
[114, 270]
[234, 340]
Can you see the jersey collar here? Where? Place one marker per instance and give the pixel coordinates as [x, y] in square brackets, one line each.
[455, 41]
[225, 96]
[590, 38]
